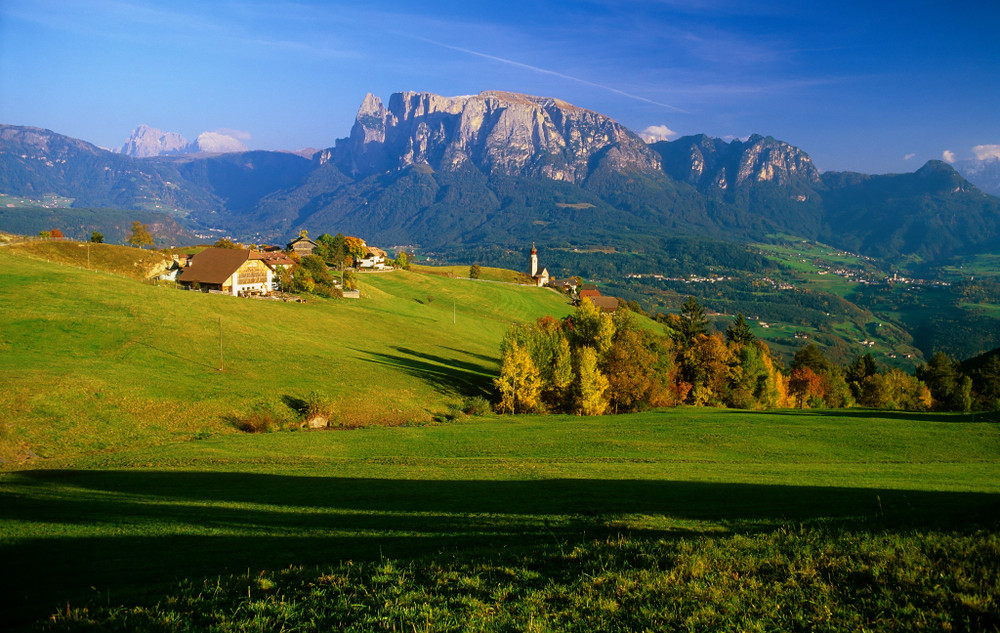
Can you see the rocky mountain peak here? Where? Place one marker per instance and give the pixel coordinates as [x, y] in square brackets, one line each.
[495, 131]
[146, 141]
[713, 163]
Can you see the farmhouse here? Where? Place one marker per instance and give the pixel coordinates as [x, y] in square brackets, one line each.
[589, 291]
[374, 258]
[228, 270]
[606, 304]
[302, 245]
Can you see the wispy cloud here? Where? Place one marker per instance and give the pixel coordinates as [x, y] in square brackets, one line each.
[553, 73]
[909, 156]
[241, 135]
[948, 156]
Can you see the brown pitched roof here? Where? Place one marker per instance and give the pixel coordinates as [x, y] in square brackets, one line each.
[378, 252]
[593, 294]
[274, 258]
[607, 304]
[214, 265]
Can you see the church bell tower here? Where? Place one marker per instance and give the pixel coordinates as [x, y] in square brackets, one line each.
[534, 260]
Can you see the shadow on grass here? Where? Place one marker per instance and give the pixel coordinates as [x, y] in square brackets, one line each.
[444, 374]
[112, 535]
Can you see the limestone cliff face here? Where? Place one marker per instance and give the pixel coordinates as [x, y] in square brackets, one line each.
[147, 141]
[498, 132]
[715, 164]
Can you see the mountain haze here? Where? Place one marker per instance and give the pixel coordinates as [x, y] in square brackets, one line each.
[148, 142]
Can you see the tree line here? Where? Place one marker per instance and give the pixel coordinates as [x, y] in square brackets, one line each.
[592, 363]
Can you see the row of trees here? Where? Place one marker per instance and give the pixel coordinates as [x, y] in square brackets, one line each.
[591, 363]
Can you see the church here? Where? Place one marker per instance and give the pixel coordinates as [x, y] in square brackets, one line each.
[540, 278]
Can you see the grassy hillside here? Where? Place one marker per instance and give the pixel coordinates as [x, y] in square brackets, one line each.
[487, 273]
[96, 362]
[509, 496]
[128, 501]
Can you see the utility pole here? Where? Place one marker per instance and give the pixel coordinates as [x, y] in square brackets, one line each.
[220, 344]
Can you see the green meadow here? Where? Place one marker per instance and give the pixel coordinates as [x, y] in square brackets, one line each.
[94, 361]
[129, 502]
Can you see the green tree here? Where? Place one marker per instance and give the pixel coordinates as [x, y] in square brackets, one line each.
[811, 356]
[474, 271]
[693, 320]
[225, 242]
[139, 235]
[861, 368]
[739, 331]
[518, 383]
[402, 260]
[943, 377]
[97, 237]
[987, 383]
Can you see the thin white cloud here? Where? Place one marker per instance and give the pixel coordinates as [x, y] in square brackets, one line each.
[655, 133]
[553, 73]
[909, 156]
[986, 152]
[948, 156]
[237, 134]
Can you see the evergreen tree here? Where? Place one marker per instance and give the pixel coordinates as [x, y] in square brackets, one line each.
[97, 237]
[474, 271]
[693, 320]
[739, 331]
[811, 356]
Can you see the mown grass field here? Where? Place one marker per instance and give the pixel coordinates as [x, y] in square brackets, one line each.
[145, 510]
[92, 361]
[126, 527]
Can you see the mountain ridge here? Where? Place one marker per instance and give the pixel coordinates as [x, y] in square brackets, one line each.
[499, 168]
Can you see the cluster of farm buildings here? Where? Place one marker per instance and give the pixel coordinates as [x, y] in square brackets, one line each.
[245, 272]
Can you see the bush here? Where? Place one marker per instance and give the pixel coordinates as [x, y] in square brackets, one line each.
[476, 405]
[265, 416]
[319, 410]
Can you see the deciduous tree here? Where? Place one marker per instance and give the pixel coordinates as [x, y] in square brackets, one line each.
[139, 235]
[590, 386]
[518, 383]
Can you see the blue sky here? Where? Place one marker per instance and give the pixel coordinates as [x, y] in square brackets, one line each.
[866, 86]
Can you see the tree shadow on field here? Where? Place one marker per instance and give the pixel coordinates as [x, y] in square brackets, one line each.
[129, 532]
[446, 375]
[489, 361]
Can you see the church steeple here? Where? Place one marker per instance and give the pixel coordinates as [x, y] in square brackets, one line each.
[534, 260]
